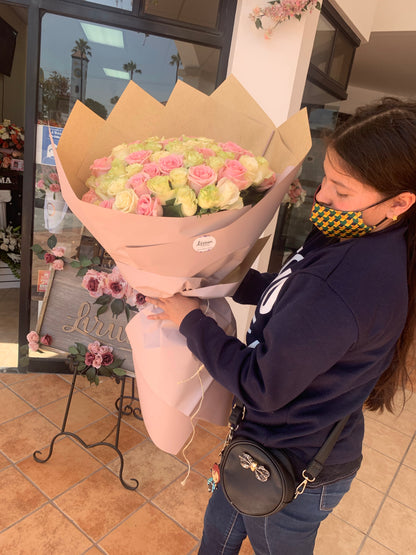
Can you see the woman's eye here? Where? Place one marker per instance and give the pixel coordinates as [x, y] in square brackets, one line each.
[341, 195]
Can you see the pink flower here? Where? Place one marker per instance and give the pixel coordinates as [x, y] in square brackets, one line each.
[103, 349]
[100, 166]
[149, 206]
[32, 337]
[58, 264]
[267, 183]
[54, 177]
[94, 347]
[58, 251]
[201, 176]
[138, 183]
[139, 157]
[54, 187]
[108, 203]
[97, 362]
[46, 339]
[33, 346]
[206, 152]
[94, 282]
[170, 162]
[90, 197]
[235, 172]
[89, 358]
[233, 147]
[134, 298]
[152, 169]
[107, 358]
[49, 257]
[41, 184]
[115, 284]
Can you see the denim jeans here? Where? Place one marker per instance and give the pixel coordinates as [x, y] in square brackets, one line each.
[292, 531]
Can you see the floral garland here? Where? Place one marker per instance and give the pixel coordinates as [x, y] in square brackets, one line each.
[279, 11]
[10, 248]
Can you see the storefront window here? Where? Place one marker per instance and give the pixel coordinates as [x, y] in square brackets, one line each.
[121, 4]
[197, 12]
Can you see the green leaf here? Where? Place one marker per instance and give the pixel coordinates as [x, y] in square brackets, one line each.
[127, 311]
[82, 366]
[75, 264]
[82, 349]
[81, 272]
[52, 241]
[91, 374]
[298, 17]
[84, 261]
[95, 260]
[102, 309]
[119, 372]
[104, 299]
[117, 307]
[37, 248]
[97, 380]
[172, 211]
[117, 362]
[40, 254]
[258, 24]
[73, 350]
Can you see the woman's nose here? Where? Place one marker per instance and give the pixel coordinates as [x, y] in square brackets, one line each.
[322, 196]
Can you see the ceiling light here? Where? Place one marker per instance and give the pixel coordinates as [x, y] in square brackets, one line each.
[116, 73]
[103, 35]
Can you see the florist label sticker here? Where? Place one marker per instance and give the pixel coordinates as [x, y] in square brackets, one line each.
[204, 243]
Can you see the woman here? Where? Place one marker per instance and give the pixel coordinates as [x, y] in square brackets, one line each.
[330, 333]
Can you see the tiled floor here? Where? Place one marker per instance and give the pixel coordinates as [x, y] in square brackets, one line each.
[75, 504]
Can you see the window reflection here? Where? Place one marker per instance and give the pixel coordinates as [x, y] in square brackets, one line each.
[121, 4]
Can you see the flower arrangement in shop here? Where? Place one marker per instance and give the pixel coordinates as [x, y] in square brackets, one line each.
[35, 341]
[278, 11]
[95, 360]
[12, 142]
[47, 180]
[181, 176]
[53, 256]
[296, 195]
[10, 248]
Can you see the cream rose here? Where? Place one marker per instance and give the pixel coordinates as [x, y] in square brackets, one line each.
[117, 186]
[229, 194]
[161, 188]
[178, 177]
[185, 196]
[209, 198]
[125, 201]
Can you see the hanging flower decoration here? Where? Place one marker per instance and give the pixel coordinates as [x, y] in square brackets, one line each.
[54, 256]
[35, 341]
[296, 195]
[278, 11]
[96, 360]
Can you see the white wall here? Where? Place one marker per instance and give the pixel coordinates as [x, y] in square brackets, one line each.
[397, 16]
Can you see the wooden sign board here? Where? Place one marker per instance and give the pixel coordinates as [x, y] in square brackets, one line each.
[69, 316]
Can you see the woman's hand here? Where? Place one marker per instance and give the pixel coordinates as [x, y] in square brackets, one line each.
[174, 308]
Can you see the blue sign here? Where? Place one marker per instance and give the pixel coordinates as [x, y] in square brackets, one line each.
[47, 156]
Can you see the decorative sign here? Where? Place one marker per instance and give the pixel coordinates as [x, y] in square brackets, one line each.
[42, 283]
[44, 153]
[69, 316]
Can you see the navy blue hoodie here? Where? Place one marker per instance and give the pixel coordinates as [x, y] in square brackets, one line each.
[323, 332]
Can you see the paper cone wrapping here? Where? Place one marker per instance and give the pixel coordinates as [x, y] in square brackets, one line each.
[160, 256]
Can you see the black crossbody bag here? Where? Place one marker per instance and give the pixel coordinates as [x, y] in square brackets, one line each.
[258, 482]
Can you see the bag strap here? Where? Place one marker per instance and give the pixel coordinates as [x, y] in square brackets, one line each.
[313, 469]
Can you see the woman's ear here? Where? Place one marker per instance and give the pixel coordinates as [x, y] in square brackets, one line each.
[400, 204]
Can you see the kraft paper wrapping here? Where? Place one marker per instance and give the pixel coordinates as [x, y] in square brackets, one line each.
[160, 256]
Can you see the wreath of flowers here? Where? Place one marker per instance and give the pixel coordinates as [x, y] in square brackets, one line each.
[278, 11]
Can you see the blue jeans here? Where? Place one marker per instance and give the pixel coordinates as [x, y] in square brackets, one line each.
[292, 531]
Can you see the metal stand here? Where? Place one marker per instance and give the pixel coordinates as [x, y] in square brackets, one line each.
[121, 408]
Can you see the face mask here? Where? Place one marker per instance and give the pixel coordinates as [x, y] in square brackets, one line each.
[341, 223]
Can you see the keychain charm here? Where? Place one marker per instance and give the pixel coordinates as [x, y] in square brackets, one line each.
[215, 478]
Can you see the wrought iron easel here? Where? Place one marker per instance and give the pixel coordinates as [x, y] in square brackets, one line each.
[123, 409]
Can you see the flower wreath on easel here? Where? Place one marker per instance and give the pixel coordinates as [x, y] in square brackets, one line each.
[278, 11]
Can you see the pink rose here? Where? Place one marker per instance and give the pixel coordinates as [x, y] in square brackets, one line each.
[149, 206]
[267, 183]
[201, 176]
[54, 177]
[152, 169]
[137, 182]
[54, 187]
[108, 203]
[58, 251]
[206, 152]
[41, 184]
[235, 172]
[97, 362]
[107, 358]
[94, 347]
[32, 337]
[103, 349]
[33, 346]
[170, 162]
[58, 264]
[115, 284]
[232, 147]
[139, 157]
[100, 166]
[94, 282]
[49, 257]
[90, 197]
[89, 358]
[46, 340]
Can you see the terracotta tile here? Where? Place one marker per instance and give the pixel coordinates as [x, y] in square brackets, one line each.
[57, 475]
[93, 551]
[42, 389]
[400, 537]
[11, 377]
[202, 443]
[136, 423]
[100, 430]
[359, 506]
[4, 461]
[219, 431]
[371, 547]
[82, 412]
[336, 536]
[186, 503]
[384, 439]
[46, 531]
[411, 399]
[18, 497]
[410, 459]
[246, 548]
[22, 436]
[404, 487]
[106, 393]
[204, 465]
[170, 539]
[405, 422]
[154, 468]
[377, 470]
[11, 406]
[99, 503]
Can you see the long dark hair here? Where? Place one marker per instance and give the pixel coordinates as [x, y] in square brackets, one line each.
[378, 146]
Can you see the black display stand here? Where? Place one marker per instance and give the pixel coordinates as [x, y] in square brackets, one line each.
[124, 405]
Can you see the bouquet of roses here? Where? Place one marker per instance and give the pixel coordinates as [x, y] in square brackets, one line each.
[213, 170]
